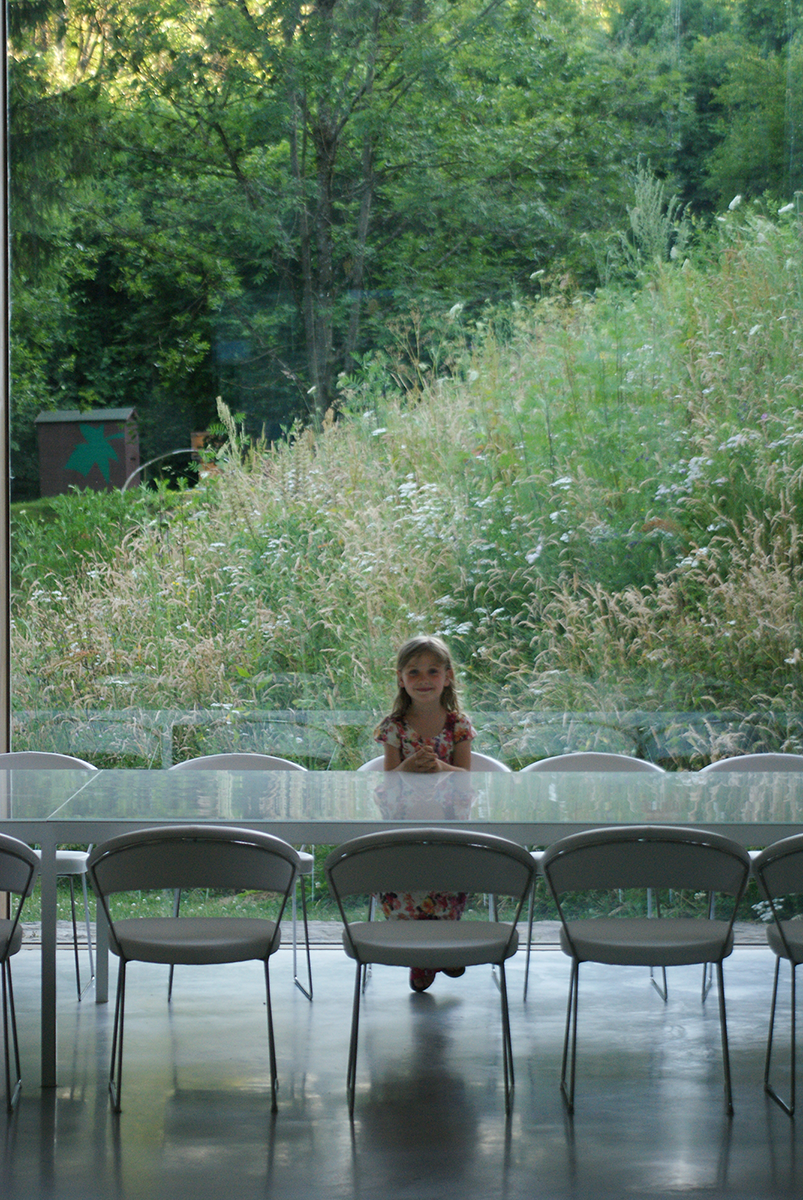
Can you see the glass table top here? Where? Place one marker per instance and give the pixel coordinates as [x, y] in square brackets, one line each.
[525, 799]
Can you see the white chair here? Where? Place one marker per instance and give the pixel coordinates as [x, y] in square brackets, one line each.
[755, 762]
[585, 760]
[779, 873]
[479, 762]
[593, 760]
[413, 860]
[70, 864]
[191, 856]
[660, 857]
[19, 865]
[262, 762]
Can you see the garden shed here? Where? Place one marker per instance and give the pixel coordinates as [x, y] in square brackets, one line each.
[98, 449]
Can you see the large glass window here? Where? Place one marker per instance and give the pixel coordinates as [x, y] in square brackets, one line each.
[339, 322]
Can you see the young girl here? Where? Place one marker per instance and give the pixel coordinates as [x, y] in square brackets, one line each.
[425, 733]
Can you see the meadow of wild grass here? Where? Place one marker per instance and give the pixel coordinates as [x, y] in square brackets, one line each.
[596, 501]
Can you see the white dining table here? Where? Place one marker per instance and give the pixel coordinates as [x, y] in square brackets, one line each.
[57, 808]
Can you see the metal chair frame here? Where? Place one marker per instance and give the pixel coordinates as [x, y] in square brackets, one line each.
[778, 871]
[661, 857]
[428, 859]
[188, 856]
[19, 866]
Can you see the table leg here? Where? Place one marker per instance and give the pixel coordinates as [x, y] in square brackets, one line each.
[47, 875]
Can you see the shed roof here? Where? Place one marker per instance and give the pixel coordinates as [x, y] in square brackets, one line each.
[63, 416]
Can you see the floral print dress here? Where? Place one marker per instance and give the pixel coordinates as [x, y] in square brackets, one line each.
[424, 906]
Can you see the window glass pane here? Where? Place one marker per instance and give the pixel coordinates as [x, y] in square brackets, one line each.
[333, 324]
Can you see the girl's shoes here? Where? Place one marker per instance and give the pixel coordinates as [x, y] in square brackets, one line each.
[421, 978]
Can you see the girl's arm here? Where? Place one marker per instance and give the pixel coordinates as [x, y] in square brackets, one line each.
[462, 755]
[392, 758]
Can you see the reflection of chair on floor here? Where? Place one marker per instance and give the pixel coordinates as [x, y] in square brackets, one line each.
[70, 864]
[755, 762]
[261, 762]
[181, 857]
[429, 860]
[586, 760]
[779, 873]
[18, 868]
[637, 857]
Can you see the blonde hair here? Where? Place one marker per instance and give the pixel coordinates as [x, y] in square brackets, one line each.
[440, 652]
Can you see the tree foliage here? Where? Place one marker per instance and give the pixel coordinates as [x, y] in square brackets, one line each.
[249, 198]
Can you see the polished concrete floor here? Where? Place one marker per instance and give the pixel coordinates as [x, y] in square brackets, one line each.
[429, 1119]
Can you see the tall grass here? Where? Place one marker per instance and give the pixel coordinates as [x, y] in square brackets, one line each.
[599, 510]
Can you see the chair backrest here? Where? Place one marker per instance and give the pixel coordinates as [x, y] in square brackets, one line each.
[448, 860]
[19, 866]
[646, 856]
[374, 764]
[479, 762]
[43, 760]
[594, 760]
[189, 856]
[237, 762]
[755, 762]
[484, 762]
[778, 871]
[779, 868]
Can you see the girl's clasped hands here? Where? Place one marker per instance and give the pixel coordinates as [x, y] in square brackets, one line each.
[423, 762]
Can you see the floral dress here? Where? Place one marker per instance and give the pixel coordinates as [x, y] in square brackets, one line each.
[424, 906]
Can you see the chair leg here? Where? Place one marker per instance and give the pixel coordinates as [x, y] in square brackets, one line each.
[789, 1108]
[274, 1080]
[176, 907]
[81, 991]
[726, 1062]
[708, 968]
[116, 1070]
[530, 919]
[74, 935]
[351, 1071]
[507, 1041]
[88, 923]
[570, 1038]
[661, 988]
[307, 991]
[366, 971]
[10, 1038]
